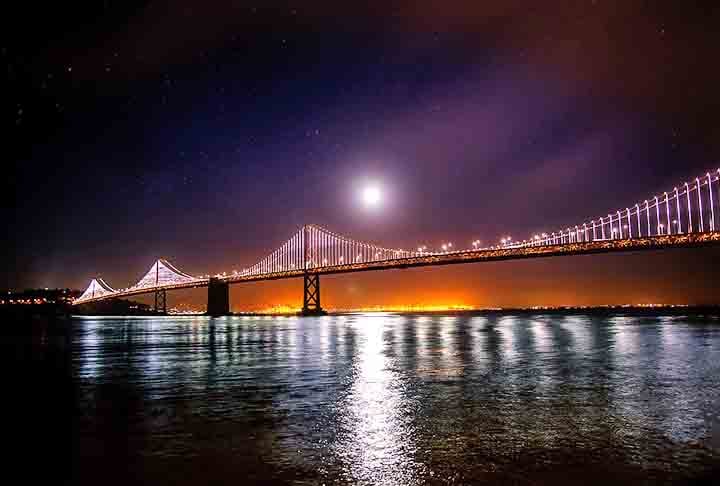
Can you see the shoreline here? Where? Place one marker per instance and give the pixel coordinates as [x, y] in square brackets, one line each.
[620, 310]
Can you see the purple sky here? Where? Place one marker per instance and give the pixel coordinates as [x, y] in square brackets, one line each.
[208, 133]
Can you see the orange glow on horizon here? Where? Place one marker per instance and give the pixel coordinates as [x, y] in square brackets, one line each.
[287, 309]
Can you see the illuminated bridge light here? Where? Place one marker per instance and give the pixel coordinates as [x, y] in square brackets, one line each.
[97, 288]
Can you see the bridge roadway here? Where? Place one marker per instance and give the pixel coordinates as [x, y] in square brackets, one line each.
[662, 242]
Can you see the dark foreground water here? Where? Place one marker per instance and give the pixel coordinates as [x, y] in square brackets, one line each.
[379, 399]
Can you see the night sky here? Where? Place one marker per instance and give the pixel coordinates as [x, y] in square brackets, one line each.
[208, 132]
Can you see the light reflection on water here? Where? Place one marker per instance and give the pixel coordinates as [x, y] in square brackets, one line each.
[376, 435]
[404, 399]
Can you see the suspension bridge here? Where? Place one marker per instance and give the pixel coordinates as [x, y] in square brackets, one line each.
[681, 217]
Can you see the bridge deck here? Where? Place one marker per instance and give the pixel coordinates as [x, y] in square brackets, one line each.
[467, 256]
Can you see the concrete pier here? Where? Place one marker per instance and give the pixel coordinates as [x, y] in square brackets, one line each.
[218, 303]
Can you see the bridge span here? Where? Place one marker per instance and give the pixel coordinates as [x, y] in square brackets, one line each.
[681, 218]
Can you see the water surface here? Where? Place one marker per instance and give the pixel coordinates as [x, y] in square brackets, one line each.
[394, 399]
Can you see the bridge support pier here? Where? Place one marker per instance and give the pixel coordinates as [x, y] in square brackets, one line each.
[160, 301]
[311, 295]
[218, 298]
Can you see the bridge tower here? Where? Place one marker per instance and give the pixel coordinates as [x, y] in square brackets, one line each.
[160, 294]
[160, 301]
[311, 295]
[311, 284]
[218, 298]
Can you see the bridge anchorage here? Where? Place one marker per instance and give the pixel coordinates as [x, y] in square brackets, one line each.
[683, 217]
[218, 301]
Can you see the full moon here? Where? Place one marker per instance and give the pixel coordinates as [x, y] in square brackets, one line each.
[371, 196]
